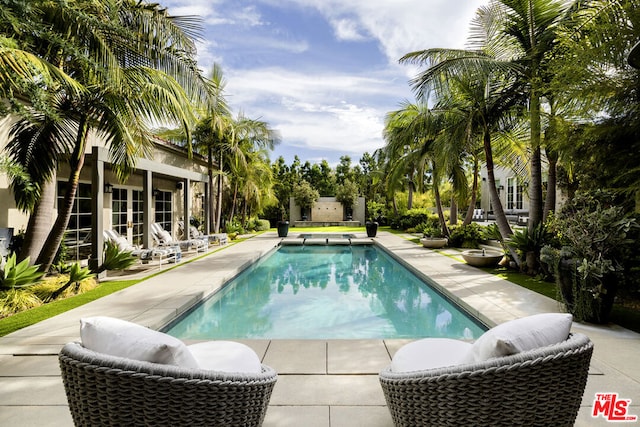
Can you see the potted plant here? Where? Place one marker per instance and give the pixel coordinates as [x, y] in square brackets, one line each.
[305, 196]
[433, 238]
[283, 228]
[592, 235]
[372, 228]
[347, 194]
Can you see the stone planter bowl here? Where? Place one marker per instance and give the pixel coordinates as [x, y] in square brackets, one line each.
[482, 258]
[434, 242]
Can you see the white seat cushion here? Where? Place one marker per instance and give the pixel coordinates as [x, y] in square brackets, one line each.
[120, 338]
[519, 335]
[226, 356]
[429, 353]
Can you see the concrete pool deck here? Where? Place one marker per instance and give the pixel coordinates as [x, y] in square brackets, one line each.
[321, 383]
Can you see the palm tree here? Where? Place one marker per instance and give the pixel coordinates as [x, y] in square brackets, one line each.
[514, 36]
[249, 137]
[129, 80]
[213, 128]
[416, 129]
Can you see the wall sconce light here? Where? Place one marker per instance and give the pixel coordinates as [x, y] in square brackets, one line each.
[156, 192]
[108, 188]
[179, 185]
[501, 187]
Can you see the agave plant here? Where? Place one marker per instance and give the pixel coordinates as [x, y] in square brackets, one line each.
[115, 259]
[19, 275]
[76, 275]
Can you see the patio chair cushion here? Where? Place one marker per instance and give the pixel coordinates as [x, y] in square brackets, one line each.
[226, 356]
[429, 353]
[120, 338]
[527, 333]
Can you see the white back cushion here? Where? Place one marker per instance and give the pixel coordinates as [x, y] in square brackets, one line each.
[519, 335]
[226, 356]
[429, 353]
[132, 341]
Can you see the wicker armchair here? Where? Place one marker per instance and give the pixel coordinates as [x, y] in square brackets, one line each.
[104, 390]
[540, 387]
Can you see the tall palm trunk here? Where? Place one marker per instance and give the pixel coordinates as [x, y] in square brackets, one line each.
[535, 190]
[474, 193]
[233, 202]
[411, 189]
[219, 196]
[48, 252]
[438, 200]
[453, 211]
[39, 223]
[550, 200]
[211, 207]
[498, 211]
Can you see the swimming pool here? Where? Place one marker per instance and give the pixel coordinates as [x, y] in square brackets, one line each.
[326, 292]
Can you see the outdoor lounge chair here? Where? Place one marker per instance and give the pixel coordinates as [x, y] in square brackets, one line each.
[194, 233]
[164, 239]
[537, 387]
[107, 390]
[159, 255]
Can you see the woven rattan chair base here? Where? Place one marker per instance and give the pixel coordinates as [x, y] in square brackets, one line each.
[542, 387]
[104, 390]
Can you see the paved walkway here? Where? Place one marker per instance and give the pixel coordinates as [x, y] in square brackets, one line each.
[321, 383]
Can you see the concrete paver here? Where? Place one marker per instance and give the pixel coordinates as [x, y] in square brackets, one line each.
[331, 383]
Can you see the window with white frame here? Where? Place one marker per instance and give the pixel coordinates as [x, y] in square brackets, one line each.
[77, 237]
[164, 209]
[514, 193]
[119, 211]
[137, 216]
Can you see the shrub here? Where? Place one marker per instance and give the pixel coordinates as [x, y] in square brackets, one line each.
[19, 275]
[262, 225]
[466, 236]
[16, 300]
[416, 219]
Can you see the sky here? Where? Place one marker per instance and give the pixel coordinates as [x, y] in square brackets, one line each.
[323, 73]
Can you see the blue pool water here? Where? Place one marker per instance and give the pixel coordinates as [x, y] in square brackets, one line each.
[326, 292]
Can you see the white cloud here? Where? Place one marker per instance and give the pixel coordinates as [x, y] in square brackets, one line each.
[331, 112]
[347, 29]
[400, 26]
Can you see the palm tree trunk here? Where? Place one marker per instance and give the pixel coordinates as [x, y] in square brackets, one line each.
[410, 197]
[438, 200]
[498, 211]
[474, 193]
[219, 196]
[39, 224]
[550, 200]
[535, 191]
[48, 252]
[233, 202]
[453, 211]
[211, 207]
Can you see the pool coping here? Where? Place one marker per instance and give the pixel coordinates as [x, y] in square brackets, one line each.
[317, 378]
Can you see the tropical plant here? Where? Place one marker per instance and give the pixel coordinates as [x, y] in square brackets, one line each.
[16, 300]
[76, 275]
[466, 236]
[18, 275]
[513, 40]
[126, 80]
[114, 258]
[528, 245]
[594, 234]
